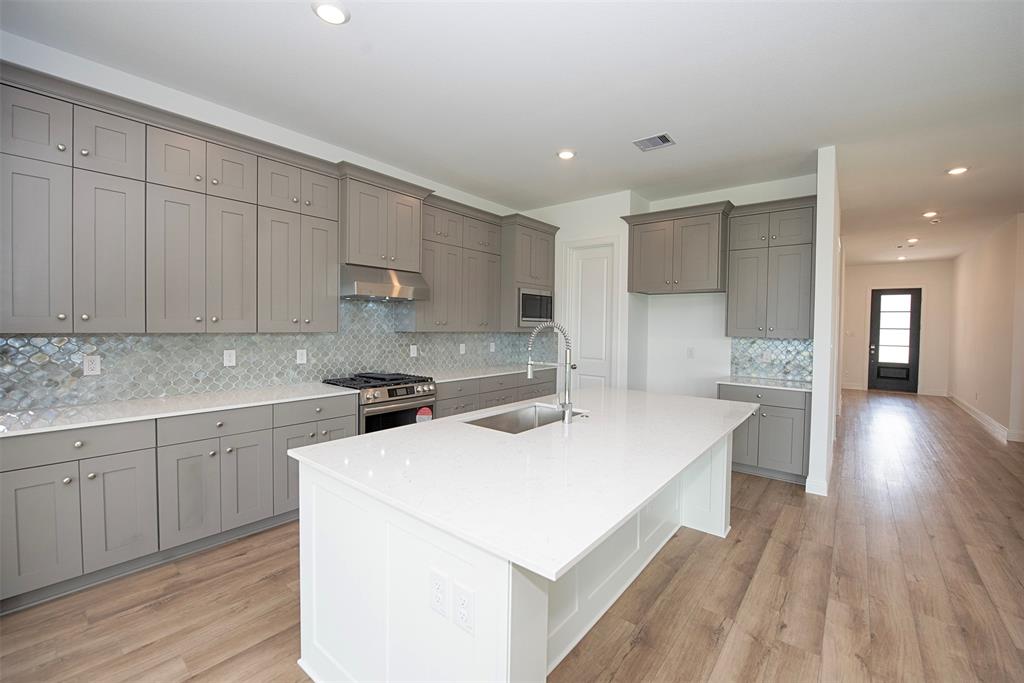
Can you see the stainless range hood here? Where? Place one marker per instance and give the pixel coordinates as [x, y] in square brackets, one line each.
[363, 282]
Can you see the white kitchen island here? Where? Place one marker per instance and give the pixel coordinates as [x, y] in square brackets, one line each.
[446, 551]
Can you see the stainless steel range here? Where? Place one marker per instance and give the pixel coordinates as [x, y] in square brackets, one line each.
[388, 400]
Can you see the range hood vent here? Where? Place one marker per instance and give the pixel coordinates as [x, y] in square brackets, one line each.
[654, 142]
[381, 284]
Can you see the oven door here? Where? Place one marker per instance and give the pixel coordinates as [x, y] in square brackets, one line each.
[374, 418]
[535, 306]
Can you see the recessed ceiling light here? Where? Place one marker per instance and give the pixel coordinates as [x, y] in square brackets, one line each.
[566, 154]
[959, 170]
[930, 214]
[901, 258]
[913, 240]
[331, 12]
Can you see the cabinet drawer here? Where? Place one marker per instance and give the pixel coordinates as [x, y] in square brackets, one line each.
[535, 391]
[767, 397]
[456, 406]
[17, 452]
[216, 423]
[498, 398]
[540, 377]
[314, 409]
[459, 389]
[498, 382]
[482, 236]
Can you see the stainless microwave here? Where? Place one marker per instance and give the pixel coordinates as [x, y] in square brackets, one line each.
[535, 306]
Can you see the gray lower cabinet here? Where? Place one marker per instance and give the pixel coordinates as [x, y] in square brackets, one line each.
[188, 491]
[175, 260]
[336, 428]
[119, 518]
[175, 160]
[780, 436]
[456, 406]
[109, 144]
[747, 300]
[230, 266]
[40, 520]
[35, 126]
[246, 478]
[790, 283]
[109, 253]
[35, 247]
[744, 442]
[231, 173]
[286, 470]
[772, 441]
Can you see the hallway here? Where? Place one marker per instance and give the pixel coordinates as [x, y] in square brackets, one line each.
[913, 569]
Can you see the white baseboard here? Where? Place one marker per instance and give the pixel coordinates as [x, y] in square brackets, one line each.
[818, 487]
[855, 386]
[989, 423]
[1015, 435]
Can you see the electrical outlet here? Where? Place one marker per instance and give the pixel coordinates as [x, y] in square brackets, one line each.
[463, 607]
[439, 593]
[413, 351]
[91, 365]
[300, 356]
[229, 358]
[492, 347]
[462, 349]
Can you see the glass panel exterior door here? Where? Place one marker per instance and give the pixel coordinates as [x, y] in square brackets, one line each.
[895, 338]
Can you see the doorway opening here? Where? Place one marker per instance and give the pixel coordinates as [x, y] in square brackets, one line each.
[895, 339]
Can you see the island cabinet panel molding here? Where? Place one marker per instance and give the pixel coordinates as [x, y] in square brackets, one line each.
[109, 144]
[35, 126]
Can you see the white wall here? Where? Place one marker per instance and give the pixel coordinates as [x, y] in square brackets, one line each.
[935, 278]
[783, 188]
[1016, 431]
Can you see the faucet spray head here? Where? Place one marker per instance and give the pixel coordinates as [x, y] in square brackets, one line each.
[529, 368]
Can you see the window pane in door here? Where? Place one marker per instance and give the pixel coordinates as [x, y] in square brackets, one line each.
[894, 320]
[893, 354]
[894, 337]
[895, 302]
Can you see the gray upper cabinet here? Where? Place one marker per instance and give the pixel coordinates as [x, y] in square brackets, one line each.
[442, 269]
[366, 224]
[230, 266]
[286, 470]
[279, 185]
[781, 439]
[527, 261]
[442, 226]
[319, 195]
[535, 258]
[175, 160]
[188, 491]
[175, 260]
[651, 258]
[35, 126]
[246, 478]
[749, 232]
[790, 281]
[119, 520]
[318, 295]
[481, 273]
[231, 173]
[697, 254]
[404, 231]
[482, 236]
[35, 247]
[109, 144]
[748, 295]
[40, 527]
[279, 279]
[109, 254]
[795, 226]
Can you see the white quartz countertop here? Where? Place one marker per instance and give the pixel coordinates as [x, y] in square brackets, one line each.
[766, 383]
[476, 373]
[54, 419]
[543, 498]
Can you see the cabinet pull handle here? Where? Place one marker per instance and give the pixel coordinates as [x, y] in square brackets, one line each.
[220, 424]
[214, 181]
[312, 435]
[61, 147]
[66, 480]
[78, 444]
[229, 449]
[295, 320]
[91, 475]
[295, 200]
[306, 320]
[759, 395]
[212, 453]
[61, 316]
[319, 409]
[199, 318]
[85, 316]
[214, 319]
[84, 152]
[308, 203]
[198, 177]
[324, 432]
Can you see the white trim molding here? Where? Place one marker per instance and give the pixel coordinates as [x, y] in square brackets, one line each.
[987, 421]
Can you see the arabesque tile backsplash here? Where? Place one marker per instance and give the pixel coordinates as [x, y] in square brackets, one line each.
[773, 358]
[44, 372]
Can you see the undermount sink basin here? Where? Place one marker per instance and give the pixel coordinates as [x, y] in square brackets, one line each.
[522, 419]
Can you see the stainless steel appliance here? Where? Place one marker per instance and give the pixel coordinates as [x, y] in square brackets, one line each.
[535, 306]
[388, 400]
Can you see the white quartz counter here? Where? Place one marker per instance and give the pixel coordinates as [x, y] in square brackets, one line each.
[766, 383]
[53, 419]
[458, 374]
[543, 498]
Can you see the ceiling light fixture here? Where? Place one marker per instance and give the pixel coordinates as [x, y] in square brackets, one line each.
[331, 12]
[566, 154]
[913, 240]
[901, 258]
[959, 170]
[930, 214]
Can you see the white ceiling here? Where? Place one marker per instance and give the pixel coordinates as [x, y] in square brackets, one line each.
[480, 96]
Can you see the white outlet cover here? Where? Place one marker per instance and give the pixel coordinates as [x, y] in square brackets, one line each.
[463, 607]
[300, 356]
[438, 592]
[413, 351]
[91, 365]
[492, 347]
[229, 358]
[462, 348]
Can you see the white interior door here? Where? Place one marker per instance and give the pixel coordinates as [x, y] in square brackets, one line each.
[592, 313]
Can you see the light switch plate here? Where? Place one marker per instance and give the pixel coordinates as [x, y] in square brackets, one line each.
[91, 365]
[229, 358]
[492, 347]
[462, 349]
[300, 356]
[413, 351]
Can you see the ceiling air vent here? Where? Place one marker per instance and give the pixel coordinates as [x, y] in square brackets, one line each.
[654, 142]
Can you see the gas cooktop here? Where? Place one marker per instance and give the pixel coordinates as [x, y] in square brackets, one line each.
[374, 380]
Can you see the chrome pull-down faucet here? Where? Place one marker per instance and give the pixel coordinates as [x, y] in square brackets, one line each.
[569, 366]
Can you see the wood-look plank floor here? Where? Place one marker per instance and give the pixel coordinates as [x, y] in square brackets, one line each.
[913, 569]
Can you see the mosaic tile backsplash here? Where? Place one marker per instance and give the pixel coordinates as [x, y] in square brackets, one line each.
[773, 358]
[46, 372]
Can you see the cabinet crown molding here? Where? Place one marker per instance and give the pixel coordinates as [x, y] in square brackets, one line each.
[346, 170]
[723, 208]
[777, 205]
[446, 204]
[518, 219]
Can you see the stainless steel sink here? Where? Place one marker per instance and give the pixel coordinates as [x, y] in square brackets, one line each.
[522, 419]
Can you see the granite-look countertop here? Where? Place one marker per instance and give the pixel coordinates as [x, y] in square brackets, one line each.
[766, 383]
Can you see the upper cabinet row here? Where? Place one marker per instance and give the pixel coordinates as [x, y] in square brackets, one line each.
[380, 227]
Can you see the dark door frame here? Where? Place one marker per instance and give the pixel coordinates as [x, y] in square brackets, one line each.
[909, 383]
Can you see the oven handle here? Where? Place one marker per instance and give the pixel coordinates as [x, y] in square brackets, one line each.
[392, 407]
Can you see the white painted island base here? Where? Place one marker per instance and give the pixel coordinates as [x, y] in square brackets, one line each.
[386, 596]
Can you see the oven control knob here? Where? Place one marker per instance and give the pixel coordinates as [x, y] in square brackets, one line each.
[369, 395]
[430, 388]
[376, 394]
[419, 388]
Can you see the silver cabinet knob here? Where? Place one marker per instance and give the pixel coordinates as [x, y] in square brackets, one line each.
[775, 237]
[323, 433]
[771, 329]
[306, 320]
[61, 147]
[61, 316]
[392, 258]
[759, 395]
[212, 453]
[229, 449]
[312, 435]
[85, 316]
[214, 319]
[437, 232]
[676, 281]
[91, 475]
[198, 177]
[84, 152]
[199, 318]
[760, 329]
[67, 480]
[383, 256]
[220, 424]
[764, 414]
[764, 237]
[214, 181]
[319, 410]
[295, 200]
[308, 203]
[295, 320]
[667, 282]
[78, 444]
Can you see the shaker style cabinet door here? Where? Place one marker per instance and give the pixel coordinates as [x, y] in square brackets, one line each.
[749, 232]
[246, 478]
[175, 260]
[109, 144]
[35, 247]
[747, 299]
[429, 311]
[35, 126]
[790, 279]
[697, 254]
[744, 442]
[319, 195]
[492, 285]
[336, 428]
[231, 173]
[286, 470]
[118, 508]
[230, 266]
[449, 281]
[781, 439]
[650, 268]
[318, 295]
[366, 228]
[109, 253]
[40, 521]
[279, 185]
[442, 226]
[188, 491]
[175, 160]
[481, 236]
[404, 232]
[795, 226]
[474, 290]
[279, 271]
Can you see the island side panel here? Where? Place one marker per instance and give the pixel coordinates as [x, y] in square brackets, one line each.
[706, 490]
[367, 582]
